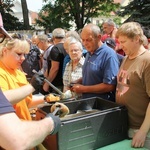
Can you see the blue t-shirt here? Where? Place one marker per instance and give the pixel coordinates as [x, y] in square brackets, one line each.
[5, 105]
[100, 67]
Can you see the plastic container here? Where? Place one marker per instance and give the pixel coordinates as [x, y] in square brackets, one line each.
[102, 124]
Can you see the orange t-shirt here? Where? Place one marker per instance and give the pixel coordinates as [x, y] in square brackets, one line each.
[14, 79]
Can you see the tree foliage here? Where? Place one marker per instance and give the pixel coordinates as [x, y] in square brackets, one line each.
[137, 10]
[10, 21]
[51, 17]
[25, 14]
[67, 13]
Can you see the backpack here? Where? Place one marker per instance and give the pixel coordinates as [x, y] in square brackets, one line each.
[32, 61]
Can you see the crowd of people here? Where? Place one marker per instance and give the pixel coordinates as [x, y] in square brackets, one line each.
[113, 65]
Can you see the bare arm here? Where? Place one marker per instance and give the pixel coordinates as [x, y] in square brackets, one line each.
[98, 88]
[113, 33]
[146, 124]
[22, 134]
[15, 95]
[52, 73]
[36, 100]
[140, 136]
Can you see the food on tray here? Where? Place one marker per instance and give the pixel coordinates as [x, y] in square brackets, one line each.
[51, 98]
[63, 109]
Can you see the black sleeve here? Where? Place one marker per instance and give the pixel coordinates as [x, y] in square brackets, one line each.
[54, 54]
[5, 105]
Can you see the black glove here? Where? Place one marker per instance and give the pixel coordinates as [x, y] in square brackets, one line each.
[57, 123]
[37, 80]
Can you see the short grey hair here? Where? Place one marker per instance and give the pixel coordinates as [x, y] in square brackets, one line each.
[72, 40]
[58, 33]
[94, 29]
[110, 22]
[73, 34]
[42, 37]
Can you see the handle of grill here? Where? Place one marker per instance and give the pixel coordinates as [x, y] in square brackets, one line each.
[50, 84]
[56, 110]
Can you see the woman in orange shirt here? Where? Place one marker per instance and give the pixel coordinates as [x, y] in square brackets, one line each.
[11, 57]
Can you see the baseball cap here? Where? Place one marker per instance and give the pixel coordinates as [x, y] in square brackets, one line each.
[111, 42]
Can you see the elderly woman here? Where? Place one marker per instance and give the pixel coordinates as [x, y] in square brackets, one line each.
[11, 57]
[73, 70]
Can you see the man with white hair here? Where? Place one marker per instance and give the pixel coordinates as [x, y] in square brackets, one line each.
[110, 29]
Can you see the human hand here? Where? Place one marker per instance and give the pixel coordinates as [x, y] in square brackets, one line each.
[57, 123]
[62, 109]
[37, 80]
[113, 34]
[138, 139]
[46, 87]
[77, 88]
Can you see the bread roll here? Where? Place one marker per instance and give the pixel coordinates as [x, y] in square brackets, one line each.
[64, 110]
[51, 98]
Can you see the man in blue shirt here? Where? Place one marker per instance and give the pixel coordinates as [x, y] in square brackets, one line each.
[100, 68]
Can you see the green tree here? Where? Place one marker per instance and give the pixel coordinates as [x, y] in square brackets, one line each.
[10, 22]
[66, 13]
[137, 10]
[50, 17]
[25, 14]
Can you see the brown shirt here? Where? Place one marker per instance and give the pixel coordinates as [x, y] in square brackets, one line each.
[133, 88]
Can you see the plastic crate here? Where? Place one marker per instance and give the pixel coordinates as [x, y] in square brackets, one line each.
[105, 124]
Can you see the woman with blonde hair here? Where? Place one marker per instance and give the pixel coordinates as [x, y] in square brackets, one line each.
[11, 57]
